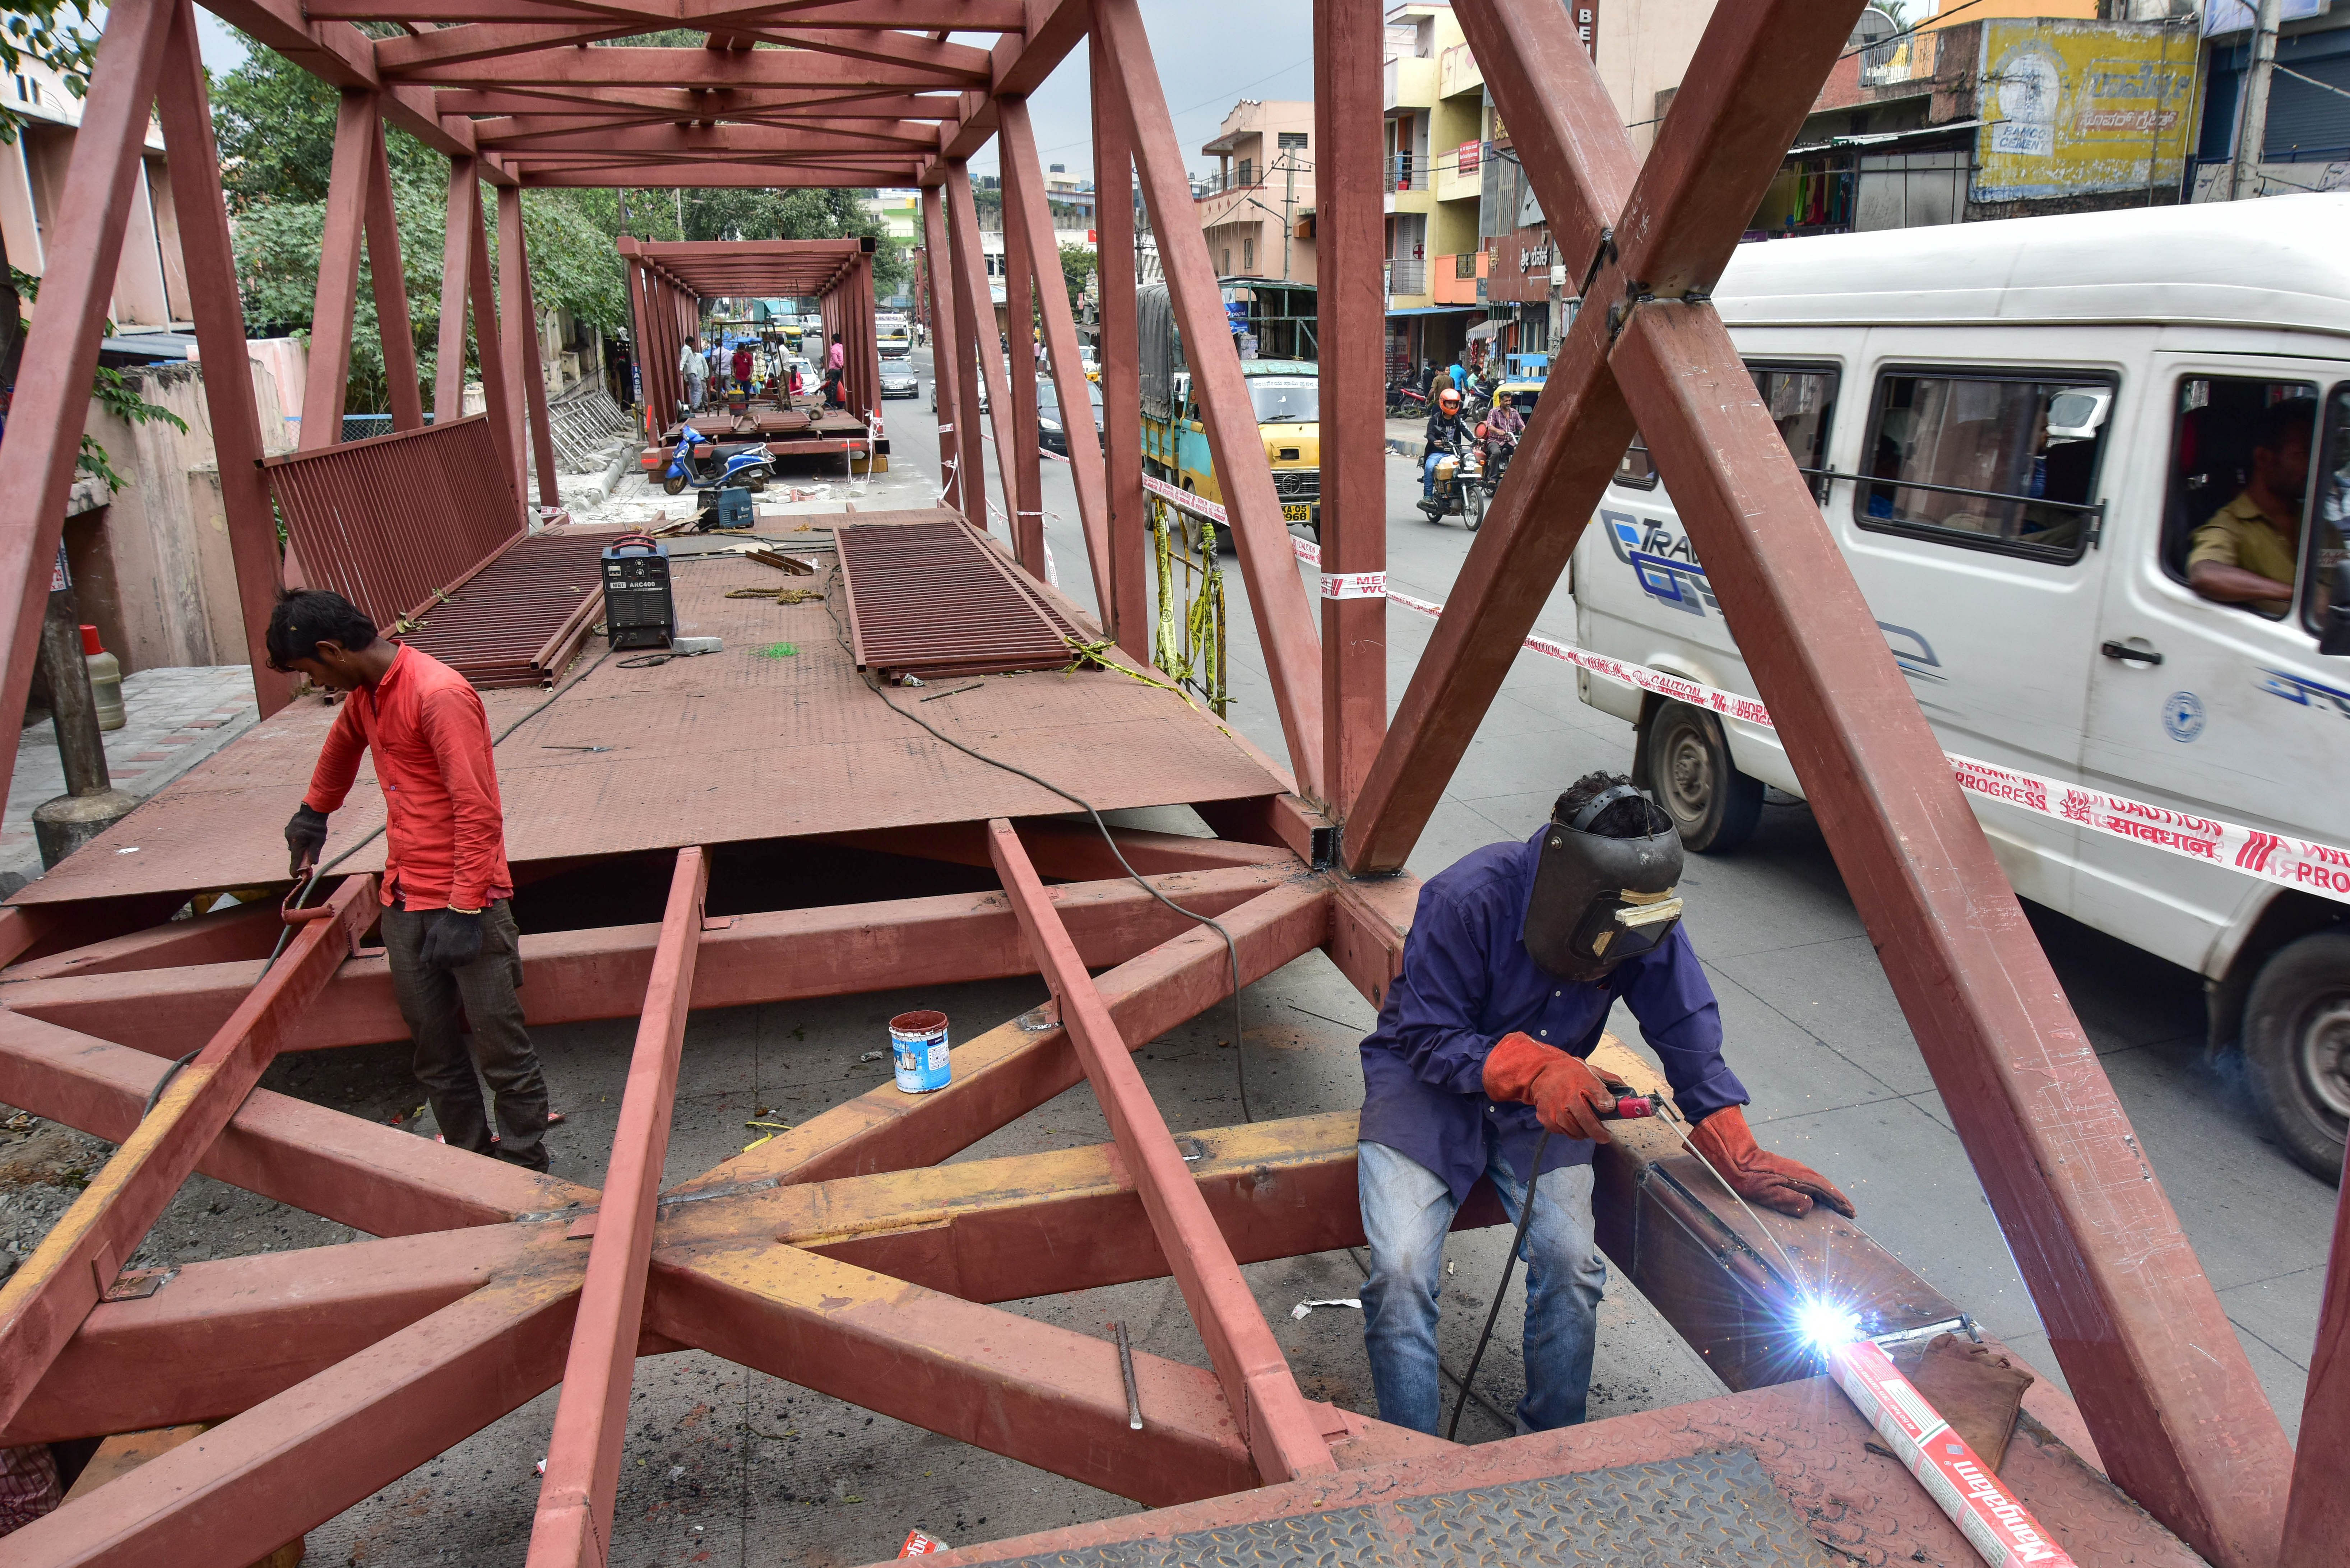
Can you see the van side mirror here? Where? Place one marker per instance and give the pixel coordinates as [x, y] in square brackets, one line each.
[2336, 639]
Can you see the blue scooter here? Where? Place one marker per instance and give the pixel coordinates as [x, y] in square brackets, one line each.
[698, 462]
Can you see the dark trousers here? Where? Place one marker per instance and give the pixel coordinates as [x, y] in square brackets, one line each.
[438, 1005]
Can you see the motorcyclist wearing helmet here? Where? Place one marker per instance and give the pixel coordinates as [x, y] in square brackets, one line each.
[1516, 953]
[1447, 433]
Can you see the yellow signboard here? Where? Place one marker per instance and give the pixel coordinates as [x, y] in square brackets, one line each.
[2070, 108]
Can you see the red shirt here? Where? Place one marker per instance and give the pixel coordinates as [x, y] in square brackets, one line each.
[443, 823]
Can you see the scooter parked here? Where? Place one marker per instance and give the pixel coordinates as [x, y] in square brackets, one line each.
[697, 462]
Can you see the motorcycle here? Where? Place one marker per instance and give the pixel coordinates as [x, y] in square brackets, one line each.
[697, 461]
[1460, 488]
[1405, 400]
[1499, 447]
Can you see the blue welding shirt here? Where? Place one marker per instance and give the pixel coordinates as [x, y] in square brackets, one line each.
[1468, 981]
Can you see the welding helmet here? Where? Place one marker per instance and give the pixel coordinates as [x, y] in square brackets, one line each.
[1448, 400]
[1599, 901]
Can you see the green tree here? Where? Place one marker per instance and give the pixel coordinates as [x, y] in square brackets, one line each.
[1077, 263]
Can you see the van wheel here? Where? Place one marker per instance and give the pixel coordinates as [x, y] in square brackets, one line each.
[2297, 1046]
[1713, 804]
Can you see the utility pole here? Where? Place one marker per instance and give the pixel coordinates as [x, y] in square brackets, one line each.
[2252, 127]
[1288, 210]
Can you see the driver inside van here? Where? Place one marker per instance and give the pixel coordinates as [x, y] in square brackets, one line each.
[2246, 554]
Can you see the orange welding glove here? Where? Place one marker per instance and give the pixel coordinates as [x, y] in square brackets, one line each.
[1566, 1094]
[1759, 1176]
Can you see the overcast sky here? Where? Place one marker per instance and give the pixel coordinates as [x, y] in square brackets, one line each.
[1210, 52]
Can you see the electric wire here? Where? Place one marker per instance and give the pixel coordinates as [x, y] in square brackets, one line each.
[1232, 949]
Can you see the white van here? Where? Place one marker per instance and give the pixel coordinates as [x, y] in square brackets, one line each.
[2014, 429]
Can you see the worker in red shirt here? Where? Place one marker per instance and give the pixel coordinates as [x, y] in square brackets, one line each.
[452, 940]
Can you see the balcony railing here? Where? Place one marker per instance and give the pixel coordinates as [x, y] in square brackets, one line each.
[1407, 174]
[1221, 184]
[1407, 275]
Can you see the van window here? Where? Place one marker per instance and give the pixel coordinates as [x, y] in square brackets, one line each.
[2330, 518]
[1634, 469]
[1989, 461]
[1801, 401]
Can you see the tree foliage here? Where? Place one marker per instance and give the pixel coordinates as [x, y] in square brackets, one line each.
[1077, 265]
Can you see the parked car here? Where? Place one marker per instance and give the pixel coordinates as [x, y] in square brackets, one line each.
[982, 396]
[2016, 476]
[898, 380]
[1049, 433]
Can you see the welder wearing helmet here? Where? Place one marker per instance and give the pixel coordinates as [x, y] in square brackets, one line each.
[1447, 432]
[1516, 953]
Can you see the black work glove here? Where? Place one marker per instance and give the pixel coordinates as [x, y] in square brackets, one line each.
[453, 940]
[305, 839]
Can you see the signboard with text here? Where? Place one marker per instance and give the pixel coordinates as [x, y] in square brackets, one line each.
[2070, 108]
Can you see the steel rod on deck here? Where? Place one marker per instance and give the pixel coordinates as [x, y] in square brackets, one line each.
[583, 1459]
[1285, 1437]
[47, 1299]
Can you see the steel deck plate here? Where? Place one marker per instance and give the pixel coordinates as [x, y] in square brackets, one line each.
[1712, 1511]
[744, 744]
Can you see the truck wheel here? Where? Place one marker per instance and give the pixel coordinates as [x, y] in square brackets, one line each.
[2297, 1047]
[1713, 804]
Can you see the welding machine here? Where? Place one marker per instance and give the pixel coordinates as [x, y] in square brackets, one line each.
[638, 609]
[728, 508]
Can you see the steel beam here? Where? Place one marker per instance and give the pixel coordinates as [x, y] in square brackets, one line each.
[630, 66]
[334, 311]
[1285, 618]
[391, 280]
[948, 353]
[1073, 851]
[381, 1179]
[975, 307]
[51, 402]
[294, 1461]
[1128, 521]
[209, 254]
[601, 972]
[1349, 239]
[1011, 1070]
[1284, 1439]
[574, 1524]
[505, 418]
[519, 324]
[2317, 1514]
[46, 1300]
[463, 226]
[1021, 459]
[1026, 209]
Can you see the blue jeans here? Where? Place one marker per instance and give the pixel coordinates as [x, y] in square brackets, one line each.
[1428, 471]
[1407, 1211]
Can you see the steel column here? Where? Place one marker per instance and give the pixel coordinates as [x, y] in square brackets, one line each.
[975, 305]
[389, 277]
[574, 1524]
[2317, 1515]
[1284, 1437]
[1284, 617]
[947, 354]
[205, 246]
[972, 318]
[1024, 206]
[505, 415]
[518, 325]
[1023, 460]
[51, 405]
[47, 1299]
[325, 391]
[1128, 608]
[1349, 239]
[456, 272]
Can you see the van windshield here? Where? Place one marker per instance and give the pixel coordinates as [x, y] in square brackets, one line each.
[1285, 399]
[2330, 518]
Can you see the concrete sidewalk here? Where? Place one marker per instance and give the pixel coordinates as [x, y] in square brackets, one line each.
[1404, 438]
[177, 718]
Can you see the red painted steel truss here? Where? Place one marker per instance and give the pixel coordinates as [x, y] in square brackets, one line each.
[339, 1369]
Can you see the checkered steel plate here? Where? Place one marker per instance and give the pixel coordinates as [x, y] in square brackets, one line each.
[1709, 1510]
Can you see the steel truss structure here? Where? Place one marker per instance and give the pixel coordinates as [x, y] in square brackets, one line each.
[842, 1255]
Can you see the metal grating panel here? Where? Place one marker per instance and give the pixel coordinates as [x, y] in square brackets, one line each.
[389, 522]
[519, 619]
[1709, 1511]
[932, 599]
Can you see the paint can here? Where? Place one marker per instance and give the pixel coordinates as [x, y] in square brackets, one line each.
[918, 1050]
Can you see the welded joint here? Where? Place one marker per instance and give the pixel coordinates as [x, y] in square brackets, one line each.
[1635, 295]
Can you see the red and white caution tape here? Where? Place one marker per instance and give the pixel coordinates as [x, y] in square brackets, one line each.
[1993, 1521]
[2320, 868]
[1188, 502]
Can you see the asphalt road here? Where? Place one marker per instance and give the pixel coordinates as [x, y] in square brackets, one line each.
[1813, 1026]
